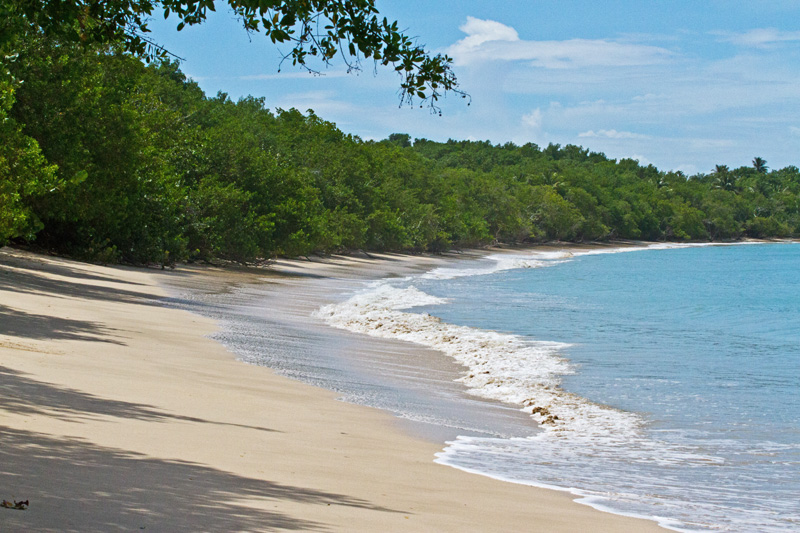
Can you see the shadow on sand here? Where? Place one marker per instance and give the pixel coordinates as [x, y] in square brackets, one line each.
[74, 485]
[45, 327]
[22, 395]
[31, 276]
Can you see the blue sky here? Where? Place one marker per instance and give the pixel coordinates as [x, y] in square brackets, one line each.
[681, 85]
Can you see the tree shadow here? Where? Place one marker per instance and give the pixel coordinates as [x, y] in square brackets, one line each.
[76, 486]
[67, 269]
[60, 266]
[30, 275]
[20, 394]
[33, 282]
[44, 327]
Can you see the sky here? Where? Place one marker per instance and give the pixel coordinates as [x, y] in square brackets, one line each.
[677, 84]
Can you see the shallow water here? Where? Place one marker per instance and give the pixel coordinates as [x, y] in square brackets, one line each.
[266, 321]
[665, 381]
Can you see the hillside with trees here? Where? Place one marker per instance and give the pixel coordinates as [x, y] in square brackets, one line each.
[106, 158]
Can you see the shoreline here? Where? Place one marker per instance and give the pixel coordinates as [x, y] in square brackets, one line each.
[120, 413]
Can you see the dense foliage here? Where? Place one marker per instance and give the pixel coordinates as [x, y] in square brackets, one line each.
[103, 157]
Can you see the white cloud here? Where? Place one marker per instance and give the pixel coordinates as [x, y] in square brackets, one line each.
[642, 160]
[323, 103]
[533, 119]
[200, 79]
[613, 134]
[761, 37]
[682, 111]
[481, 31]
[687, 169]
[488, 40]
[710, 143]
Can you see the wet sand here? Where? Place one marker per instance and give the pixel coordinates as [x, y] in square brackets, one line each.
[119, 413]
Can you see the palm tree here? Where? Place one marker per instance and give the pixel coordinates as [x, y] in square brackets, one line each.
[723, 178]
[760, 165]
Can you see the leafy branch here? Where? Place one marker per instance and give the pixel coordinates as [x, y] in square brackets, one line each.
[320, 29]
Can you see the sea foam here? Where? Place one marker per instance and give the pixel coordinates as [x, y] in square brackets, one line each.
[498, 366]
[527, 373]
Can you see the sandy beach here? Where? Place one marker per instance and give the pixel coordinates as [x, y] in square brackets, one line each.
[120, 413]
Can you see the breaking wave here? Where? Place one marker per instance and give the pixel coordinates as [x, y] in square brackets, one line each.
[525, 373]
[499, 366]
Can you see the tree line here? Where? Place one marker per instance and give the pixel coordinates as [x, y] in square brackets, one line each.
[106, 158]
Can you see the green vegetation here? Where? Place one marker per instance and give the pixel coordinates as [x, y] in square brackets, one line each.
[105, 158]
[320, 29]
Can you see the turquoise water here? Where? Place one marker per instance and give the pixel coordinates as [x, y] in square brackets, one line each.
[701, 338]
[703, 344]
[661, 382]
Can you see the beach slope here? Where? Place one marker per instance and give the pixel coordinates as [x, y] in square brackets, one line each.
[118, 413]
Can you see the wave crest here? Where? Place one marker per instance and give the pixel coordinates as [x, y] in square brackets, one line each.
[499, 366]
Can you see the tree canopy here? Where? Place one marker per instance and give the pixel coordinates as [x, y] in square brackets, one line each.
[109, 159]
[320, 29]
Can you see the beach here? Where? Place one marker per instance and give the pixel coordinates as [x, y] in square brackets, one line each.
[120, 413]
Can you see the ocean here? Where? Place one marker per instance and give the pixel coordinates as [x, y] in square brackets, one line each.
[658, 381]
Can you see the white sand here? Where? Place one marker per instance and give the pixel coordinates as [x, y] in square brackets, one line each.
[117, 413]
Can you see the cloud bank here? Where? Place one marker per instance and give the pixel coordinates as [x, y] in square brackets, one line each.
[489, 40]
[699, 99]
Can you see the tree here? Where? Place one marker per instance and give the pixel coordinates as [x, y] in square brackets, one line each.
[316, 28]
[760, 165]
[24, 174]
[724, 178]
[403, 140]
